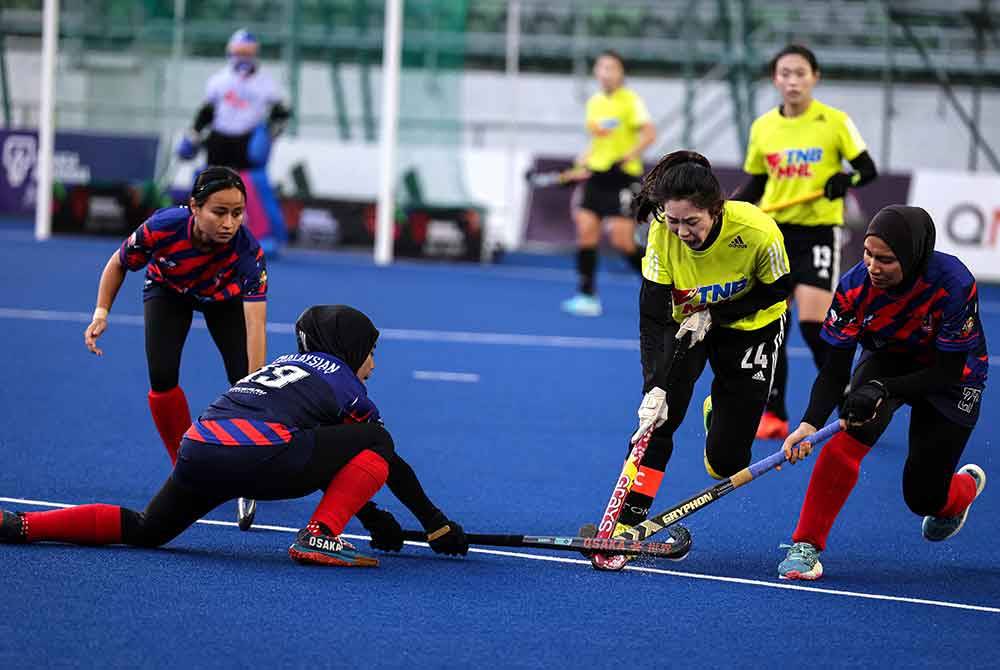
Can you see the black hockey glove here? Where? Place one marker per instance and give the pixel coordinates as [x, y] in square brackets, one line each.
[446, 536]
[862, 403]
[837, 185]
[387, 535]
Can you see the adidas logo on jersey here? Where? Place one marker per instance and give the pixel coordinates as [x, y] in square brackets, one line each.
[738, 243]
[759, 377]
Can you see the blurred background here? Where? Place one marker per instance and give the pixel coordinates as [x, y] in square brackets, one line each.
[489, 90]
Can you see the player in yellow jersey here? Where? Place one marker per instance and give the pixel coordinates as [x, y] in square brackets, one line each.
[717, 272]
[621, 130]
[795, 150]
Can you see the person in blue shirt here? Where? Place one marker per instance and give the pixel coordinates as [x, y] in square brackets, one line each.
[300, 424]
[197, 258]
[915, 313]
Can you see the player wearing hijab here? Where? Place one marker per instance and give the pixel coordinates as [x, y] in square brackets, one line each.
[915, 313]
[197, 258]
[797, 148]
[300, 424]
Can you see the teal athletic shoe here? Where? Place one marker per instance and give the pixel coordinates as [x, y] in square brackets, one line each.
[582, 305]
[316, 545]
[801, 562]
[938, 529]
[706, 413]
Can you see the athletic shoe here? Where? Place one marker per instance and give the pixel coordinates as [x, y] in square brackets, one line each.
[316, 545]
[938, 529]
[801, 562]
[582, 305]
[246, 510]
[706, 413]
[12, 527]
[771, 427]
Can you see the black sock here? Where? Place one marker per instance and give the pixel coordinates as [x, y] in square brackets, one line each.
[810, 333]
[635, 259]
[586, 265]
[776, 400]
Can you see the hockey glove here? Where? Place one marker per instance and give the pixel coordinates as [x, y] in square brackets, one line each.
[697, 324]
[652, 412]
[837, 185]
[446, 536]
[387, 535]
[862, 404]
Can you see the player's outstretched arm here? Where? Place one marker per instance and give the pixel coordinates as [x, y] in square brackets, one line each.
[443, 534]
[112, 279]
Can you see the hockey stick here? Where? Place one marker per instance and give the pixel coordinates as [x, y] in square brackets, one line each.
[703, 498]
[791, 202]
[675, 549]
[557, 178]
[609, 525]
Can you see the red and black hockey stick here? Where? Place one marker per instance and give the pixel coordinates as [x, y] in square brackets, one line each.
[676, 548]
[609, 526]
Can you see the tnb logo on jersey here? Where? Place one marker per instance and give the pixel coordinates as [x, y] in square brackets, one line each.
[693, 300]
[793, 162]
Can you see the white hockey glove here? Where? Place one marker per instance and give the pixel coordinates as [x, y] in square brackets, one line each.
[697, 324]
[652, 412]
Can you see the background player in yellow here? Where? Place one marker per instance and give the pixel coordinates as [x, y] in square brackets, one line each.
[621, 130]
[796, 149]
[717, 270]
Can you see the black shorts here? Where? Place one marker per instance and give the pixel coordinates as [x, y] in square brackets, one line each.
[957, 403]
[743, 363]
[610, 193]
[813, 254]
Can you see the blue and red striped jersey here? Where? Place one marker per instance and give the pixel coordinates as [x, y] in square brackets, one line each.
[162, 244]
[292, 393]
[940, 311]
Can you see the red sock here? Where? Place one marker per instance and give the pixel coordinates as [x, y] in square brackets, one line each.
[84, 524]
[961, 493]
[171, 416]
[350, 489]
[833, 478]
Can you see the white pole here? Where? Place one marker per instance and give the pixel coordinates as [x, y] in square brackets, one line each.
[389, 125]
[46, 102]
[513, 72]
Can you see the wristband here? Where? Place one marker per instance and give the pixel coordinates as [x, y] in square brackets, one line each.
[100, 313]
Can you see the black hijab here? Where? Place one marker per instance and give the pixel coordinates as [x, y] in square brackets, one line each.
[909, 232]
[338, 330]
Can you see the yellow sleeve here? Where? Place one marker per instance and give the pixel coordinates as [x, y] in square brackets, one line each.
[589, 116]
[849, 139]
[772, 259]
[754, 163]
[640, 115]
[654, 265]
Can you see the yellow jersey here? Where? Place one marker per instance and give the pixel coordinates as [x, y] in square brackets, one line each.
[749, 249]
[614, 121]
[798, 155]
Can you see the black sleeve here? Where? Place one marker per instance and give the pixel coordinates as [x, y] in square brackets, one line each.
[406, 487]
[204, 116]
[864, 166]
[761, 296]
[278, 119]
[947, 370]
[657, 329]
[829, 386]
[753, 189]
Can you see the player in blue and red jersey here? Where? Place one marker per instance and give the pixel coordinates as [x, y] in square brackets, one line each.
[915, 313]
[300, 424]
[197, 258]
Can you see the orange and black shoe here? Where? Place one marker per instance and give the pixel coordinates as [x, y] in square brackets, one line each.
[316, 545]
[772, 427]
[12, 530]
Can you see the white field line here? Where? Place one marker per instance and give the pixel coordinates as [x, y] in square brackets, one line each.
[577, 561]
[444, 376]
[401, 334]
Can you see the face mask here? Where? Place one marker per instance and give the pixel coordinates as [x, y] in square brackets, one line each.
[243, 65]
